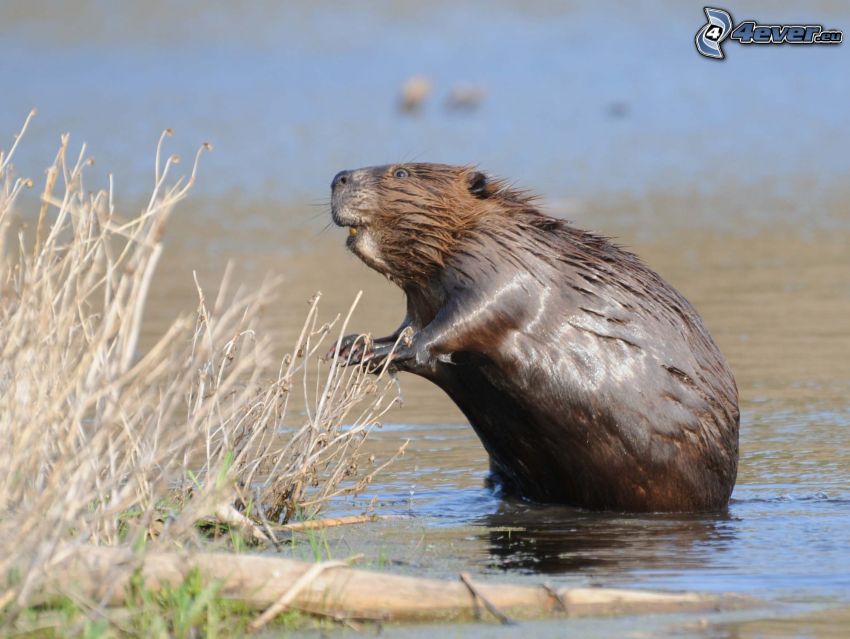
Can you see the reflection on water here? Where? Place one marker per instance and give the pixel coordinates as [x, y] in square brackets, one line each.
[738, 198]
[558, 540]
[786, 533]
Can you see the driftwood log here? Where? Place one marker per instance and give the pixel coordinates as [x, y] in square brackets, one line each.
[262, 581]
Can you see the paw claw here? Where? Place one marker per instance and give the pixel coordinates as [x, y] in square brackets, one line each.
[351, 349]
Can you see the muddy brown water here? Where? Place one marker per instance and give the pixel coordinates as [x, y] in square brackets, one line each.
[728, 178]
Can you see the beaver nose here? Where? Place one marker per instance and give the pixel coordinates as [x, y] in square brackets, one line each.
[340, 179]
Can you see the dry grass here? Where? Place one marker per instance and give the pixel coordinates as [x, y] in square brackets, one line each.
[102, 444]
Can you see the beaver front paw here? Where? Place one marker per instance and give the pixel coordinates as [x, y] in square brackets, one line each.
[352, 349]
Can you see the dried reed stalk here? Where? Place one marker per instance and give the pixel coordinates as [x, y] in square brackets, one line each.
[101, 444]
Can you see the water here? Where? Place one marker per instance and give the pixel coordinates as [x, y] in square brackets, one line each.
[728, 178]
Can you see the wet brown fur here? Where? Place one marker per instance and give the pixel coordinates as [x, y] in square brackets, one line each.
[426, 218]
[453, 238]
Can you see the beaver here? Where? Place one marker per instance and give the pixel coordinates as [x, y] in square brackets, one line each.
[589, 380]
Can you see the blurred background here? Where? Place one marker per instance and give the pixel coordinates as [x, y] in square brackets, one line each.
[574, 99]
[730, 178]
[737, 168]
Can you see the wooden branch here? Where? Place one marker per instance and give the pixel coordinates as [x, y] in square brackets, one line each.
[498, 614]
[260, 581]
[331, 522]
[286, 599]
[227, 514]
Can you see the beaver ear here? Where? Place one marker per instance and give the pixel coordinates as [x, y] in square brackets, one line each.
[477, 184]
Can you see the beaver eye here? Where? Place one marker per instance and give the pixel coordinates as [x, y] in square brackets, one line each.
[401, 173]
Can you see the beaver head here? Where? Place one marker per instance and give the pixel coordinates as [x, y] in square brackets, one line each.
[406, 220]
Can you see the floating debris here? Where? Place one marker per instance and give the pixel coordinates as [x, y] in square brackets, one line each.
[414, 92]
[465, 97]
